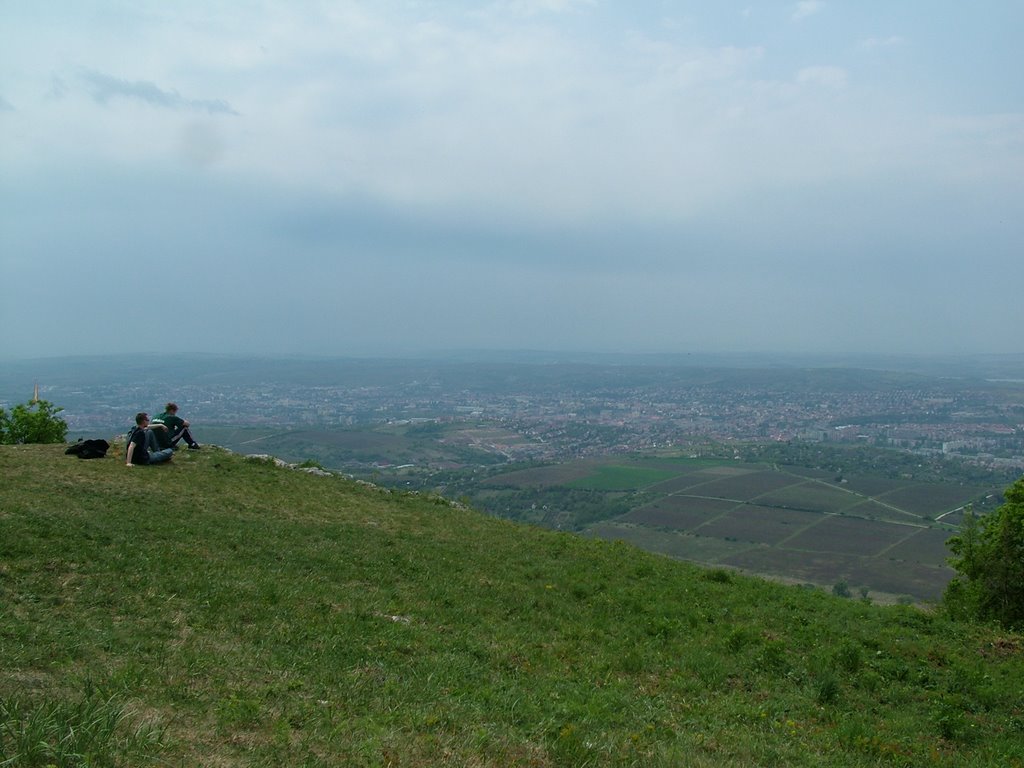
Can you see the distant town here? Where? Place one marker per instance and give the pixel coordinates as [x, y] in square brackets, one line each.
[552, 412]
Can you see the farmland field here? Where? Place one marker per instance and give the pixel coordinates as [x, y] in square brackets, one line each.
[848, 536]
[811, 496]
[684, 482]
[876, 510]
[814, 568]
[931, 500]
[680, 512]
[619, 478]
[676, 544]
[782, 523]
[926, 545]
[884, 576]
[873, 486]
[761, 525]
[678, 465]
[748, 485]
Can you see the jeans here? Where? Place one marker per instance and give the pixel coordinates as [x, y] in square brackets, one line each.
[156, 455]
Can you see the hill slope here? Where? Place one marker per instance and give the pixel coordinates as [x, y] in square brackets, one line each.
[224, 611]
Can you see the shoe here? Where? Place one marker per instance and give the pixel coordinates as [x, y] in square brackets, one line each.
[195, 447]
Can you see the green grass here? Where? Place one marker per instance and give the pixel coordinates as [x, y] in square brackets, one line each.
[222, 611]
[87, 730]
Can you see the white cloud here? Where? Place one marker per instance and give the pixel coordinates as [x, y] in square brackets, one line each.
[534, 7]
[806, 8]
[883, 42]
[827, 77]
[477, 113]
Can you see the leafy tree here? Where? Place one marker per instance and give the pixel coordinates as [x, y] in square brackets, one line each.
[989, 555]
[35, 422]
[841, 589]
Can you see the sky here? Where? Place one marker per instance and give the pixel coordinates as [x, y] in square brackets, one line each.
[386, 178]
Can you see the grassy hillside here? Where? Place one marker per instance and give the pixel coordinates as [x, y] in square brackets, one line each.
[223, 611]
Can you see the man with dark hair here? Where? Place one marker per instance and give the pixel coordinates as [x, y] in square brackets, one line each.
[142, 447]
[169, 428]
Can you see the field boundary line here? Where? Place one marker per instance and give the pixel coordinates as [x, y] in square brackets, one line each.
[862, 496]
[901, 541]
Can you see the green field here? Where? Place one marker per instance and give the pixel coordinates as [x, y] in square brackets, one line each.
[620, 478]
[224, 611]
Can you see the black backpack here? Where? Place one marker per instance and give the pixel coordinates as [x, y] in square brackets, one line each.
[89, 449]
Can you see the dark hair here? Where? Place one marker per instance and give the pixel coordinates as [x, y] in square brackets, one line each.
[171, 407]
[141, 417]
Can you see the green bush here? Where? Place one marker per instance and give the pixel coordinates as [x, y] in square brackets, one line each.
[988, 553]
[35, 422]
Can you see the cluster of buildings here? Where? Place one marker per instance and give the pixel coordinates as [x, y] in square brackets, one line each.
[540, 415]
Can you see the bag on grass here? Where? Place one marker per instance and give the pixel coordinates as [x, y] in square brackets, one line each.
[89, 449]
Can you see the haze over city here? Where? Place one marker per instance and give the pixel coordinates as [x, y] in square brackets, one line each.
[338, 178]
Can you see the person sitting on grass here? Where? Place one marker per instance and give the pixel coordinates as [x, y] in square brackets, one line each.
[142, 447]
[169, 428]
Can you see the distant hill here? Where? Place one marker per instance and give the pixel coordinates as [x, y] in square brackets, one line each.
[490, 368]
[223, 610]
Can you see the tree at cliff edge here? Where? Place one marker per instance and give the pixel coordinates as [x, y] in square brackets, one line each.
[988, 554]
[35, 422]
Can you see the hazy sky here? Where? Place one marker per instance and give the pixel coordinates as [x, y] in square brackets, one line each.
[384, 177]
